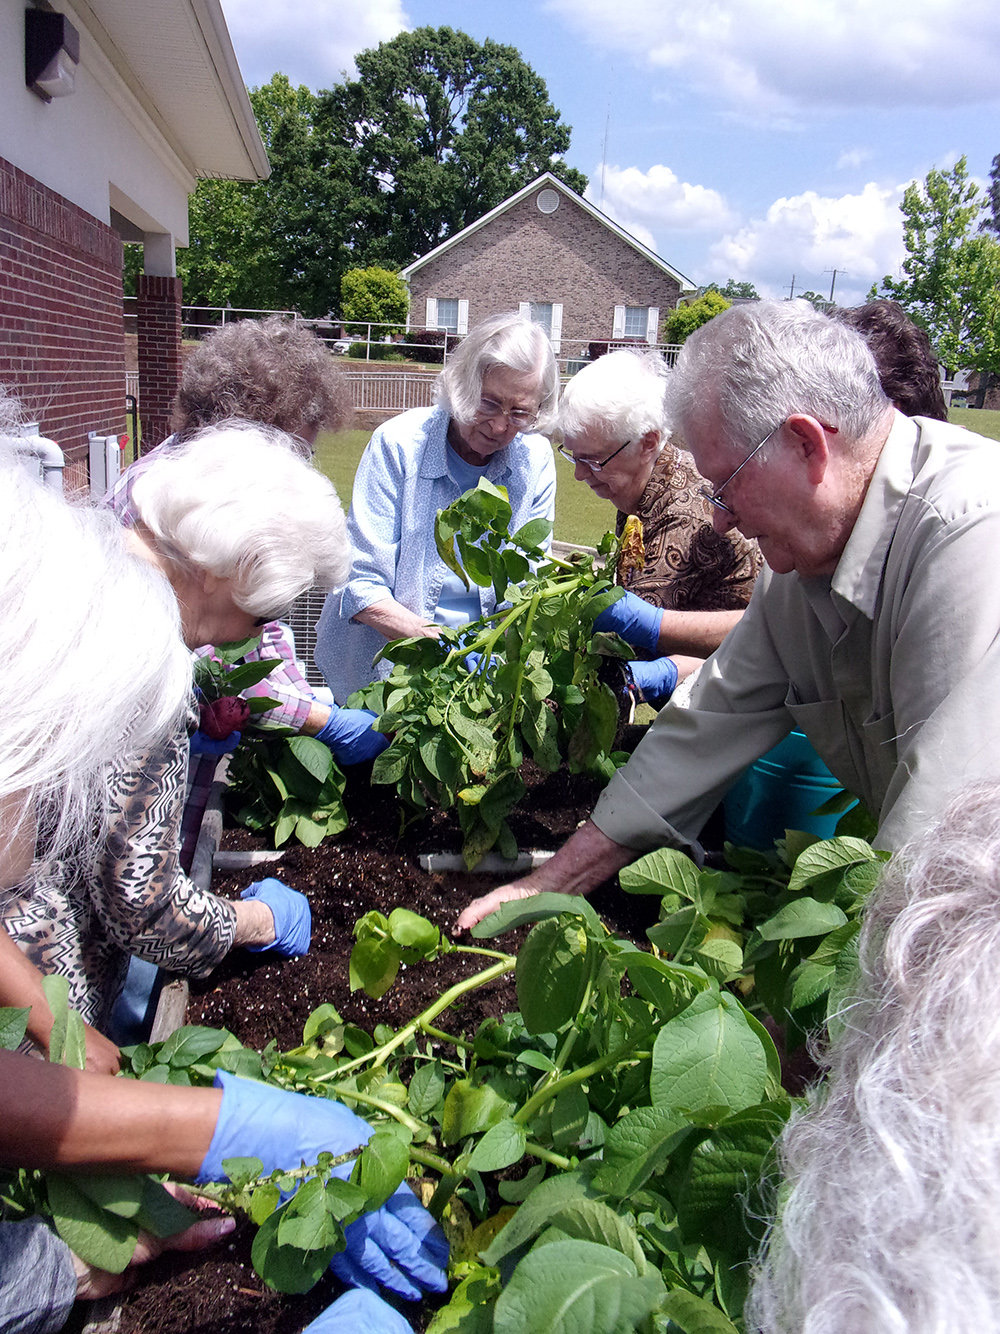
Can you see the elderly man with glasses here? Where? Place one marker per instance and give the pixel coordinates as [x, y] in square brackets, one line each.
[498, 390]
[876, 628]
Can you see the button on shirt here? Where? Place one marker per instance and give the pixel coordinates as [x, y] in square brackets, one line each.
[891, 667]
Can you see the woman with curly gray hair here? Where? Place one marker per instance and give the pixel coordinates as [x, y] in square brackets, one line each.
[890, 1213]
[497, 392]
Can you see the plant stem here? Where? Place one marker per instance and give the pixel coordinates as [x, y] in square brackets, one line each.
[516, 694]
[545, 1095]
[432, 1160]
[381, 1105]
[547, 1156]
[381, 1054]
[442, 1036]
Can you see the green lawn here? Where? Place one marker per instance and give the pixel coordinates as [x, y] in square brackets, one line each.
[580, 515]
[981, 420]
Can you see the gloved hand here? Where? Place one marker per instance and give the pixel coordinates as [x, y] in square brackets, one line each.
[357, 1310]
[202, 744]
[655, 680]
[637, 621]
[348, 733]
[400, 1245]
[292, 917]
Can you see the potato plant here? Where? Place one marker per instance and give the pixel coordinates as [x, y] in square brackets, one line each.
[602, 1157]
[466, 708]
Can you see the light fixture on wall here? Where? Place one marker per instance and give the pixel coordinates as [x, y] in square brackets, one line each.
[51, 53]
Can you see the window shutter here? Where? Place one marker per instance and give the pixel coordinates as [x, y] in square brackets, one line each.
[432, 312]
[524, 309]
[556, 334]
[463, 318]
[653, 325]
[618, 328]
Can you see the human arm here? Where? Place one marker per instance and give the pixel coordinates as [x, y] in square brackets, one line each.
[695, 633]
[394, 621]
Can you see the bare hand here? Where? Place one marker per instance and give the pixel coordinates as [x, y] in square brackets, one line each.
[92, 1283]
[103, 1057]
[482, 907]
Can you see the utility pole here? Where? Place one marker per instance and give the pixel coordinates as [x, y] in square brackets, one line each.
[833, 281]
[791, 290]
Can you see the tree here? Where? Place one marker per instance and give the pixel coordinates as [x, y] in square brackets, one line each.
[815, 299]
[991, 223]
[683, 321]
[734, 291]
[375, 296]
[952, 272]
[439, 129]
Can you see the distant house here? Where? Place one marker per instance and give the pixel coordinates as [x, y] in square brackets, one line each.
[136, 103]
[549, 253]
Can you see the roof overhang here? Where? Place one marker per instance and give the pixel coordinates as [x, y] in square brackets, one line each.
[547, 178]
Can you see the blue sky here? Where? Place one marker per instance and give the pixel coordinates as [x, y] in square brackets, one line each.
[757, 139]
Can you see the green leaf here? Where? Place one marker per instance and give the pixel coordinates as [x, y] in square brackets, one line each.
[518, 912]
[570, 1113]
[691, 1314]
[161, 1214]
[190, 1043]
[121, 1195]
[469, 1109]
[381, 1167]
[99, 1238]
[344, 1199]
[264, 1201]
[13, 1026]
[374, 965]
[533, 534]
[305, 1222]
[427, 1088]
[572, 1287]
[501, 1146]
[638, 1147]
[286, 1268]
[249, 674]
[545, 1200]
[551, 973]
[592, 1220]
[75, 1049]
[242, 1170]
[828, 855]
[56, 990]
[668, 986]
[314, 757]
[322, 1020]
[663, 871]
[802, 917]
[809, 982]
[708, 1056]
[412, 931]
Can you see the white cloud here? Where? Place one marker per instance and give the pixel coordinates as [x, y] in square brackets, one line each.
[312, 41]
[649, 203]
[773, 57]
[854, 157]
[860, 235]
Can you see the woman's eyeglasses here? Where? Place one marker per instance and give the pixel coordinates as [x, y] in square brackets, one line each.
[522, 418]
[593, 464]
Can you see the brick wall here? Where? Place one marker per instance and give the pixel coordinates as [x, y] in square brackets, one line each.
[159, 355]
[566, 256]
[61, 331]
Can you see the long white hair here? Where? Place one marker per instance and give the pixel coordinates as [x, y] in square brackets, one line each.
[94, 668]
[890, 1219]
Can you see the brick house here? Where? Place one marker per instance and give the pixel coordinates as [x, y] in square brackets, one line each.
[157, 102]
[557, 258]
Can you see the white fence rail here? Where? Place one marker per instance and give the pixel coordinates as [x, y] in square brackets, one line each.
[391, 391]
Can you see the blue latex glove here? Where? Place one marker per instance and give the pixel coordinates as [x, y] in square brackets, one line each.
[348, 733]
[292, 917]
[655, 680]
[637, 621]
[399, 1244]
[202, 744]
[357, 1310]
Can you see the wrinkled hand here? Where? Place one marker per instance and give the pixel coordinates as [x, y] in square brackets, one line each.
[202, 744]
[654, 680]
[634, 619]
[292, 917]
[357, 1310]
[348, 733]
[482, 907]
[92, 1283]
[399, 1245]
[103, 1057]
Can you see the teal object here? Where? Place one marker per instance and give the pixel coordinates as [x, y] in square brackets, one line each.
[781, 791]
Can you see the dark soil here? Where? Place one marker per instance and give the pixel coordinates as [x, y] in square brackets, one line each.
[371, 865]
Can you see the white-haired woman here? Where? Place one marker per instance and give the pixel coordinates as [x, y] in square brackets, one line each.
[889, 1217]
[695, 581]
[239, 524]
[96, 673]
[498, 389]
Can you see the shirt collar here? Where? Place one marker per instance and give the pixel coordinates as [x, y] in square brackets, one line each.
[859, 570]
[435, 458]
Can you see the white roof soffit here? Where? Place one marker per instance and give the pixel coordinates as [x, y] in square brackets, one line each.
[547, 178]
[177, 59]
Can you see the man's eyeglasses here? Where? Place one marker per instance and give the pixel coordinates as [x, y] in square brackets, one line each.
[522, 418]
[714, 497]
[592, 464]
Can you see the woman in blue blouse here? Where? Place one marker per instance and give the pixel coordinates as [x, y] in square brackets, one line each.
[498, 390]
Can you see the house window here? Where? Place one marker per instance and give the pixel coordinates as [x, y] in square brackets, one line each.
[548, 315]
[541, 313]
[636, 320]
[447, 314]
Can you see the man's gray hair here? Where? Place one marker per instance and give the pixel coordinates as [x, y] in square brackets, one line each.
[620, 394]
[245, 503]
[95, 671]
[503, 340]
[766, 360]
[890, 1213]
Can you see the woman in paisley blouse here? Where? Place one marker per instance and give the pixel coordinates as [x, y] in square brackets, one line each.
[240, 524]
[612, 423]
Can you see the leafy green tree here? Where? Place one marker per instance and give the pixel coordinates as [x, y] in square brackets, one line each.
[734, 291]
[683, 321]
[437, 129]
[375, 296]
[951, 282]
[991, 223]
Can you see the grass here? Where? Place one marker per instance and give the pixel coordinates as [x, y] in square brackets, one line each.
[581, 516]
[982, 420]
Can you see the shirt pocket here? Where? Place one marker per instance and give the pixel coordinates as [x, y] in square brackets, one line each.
[864, 761]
